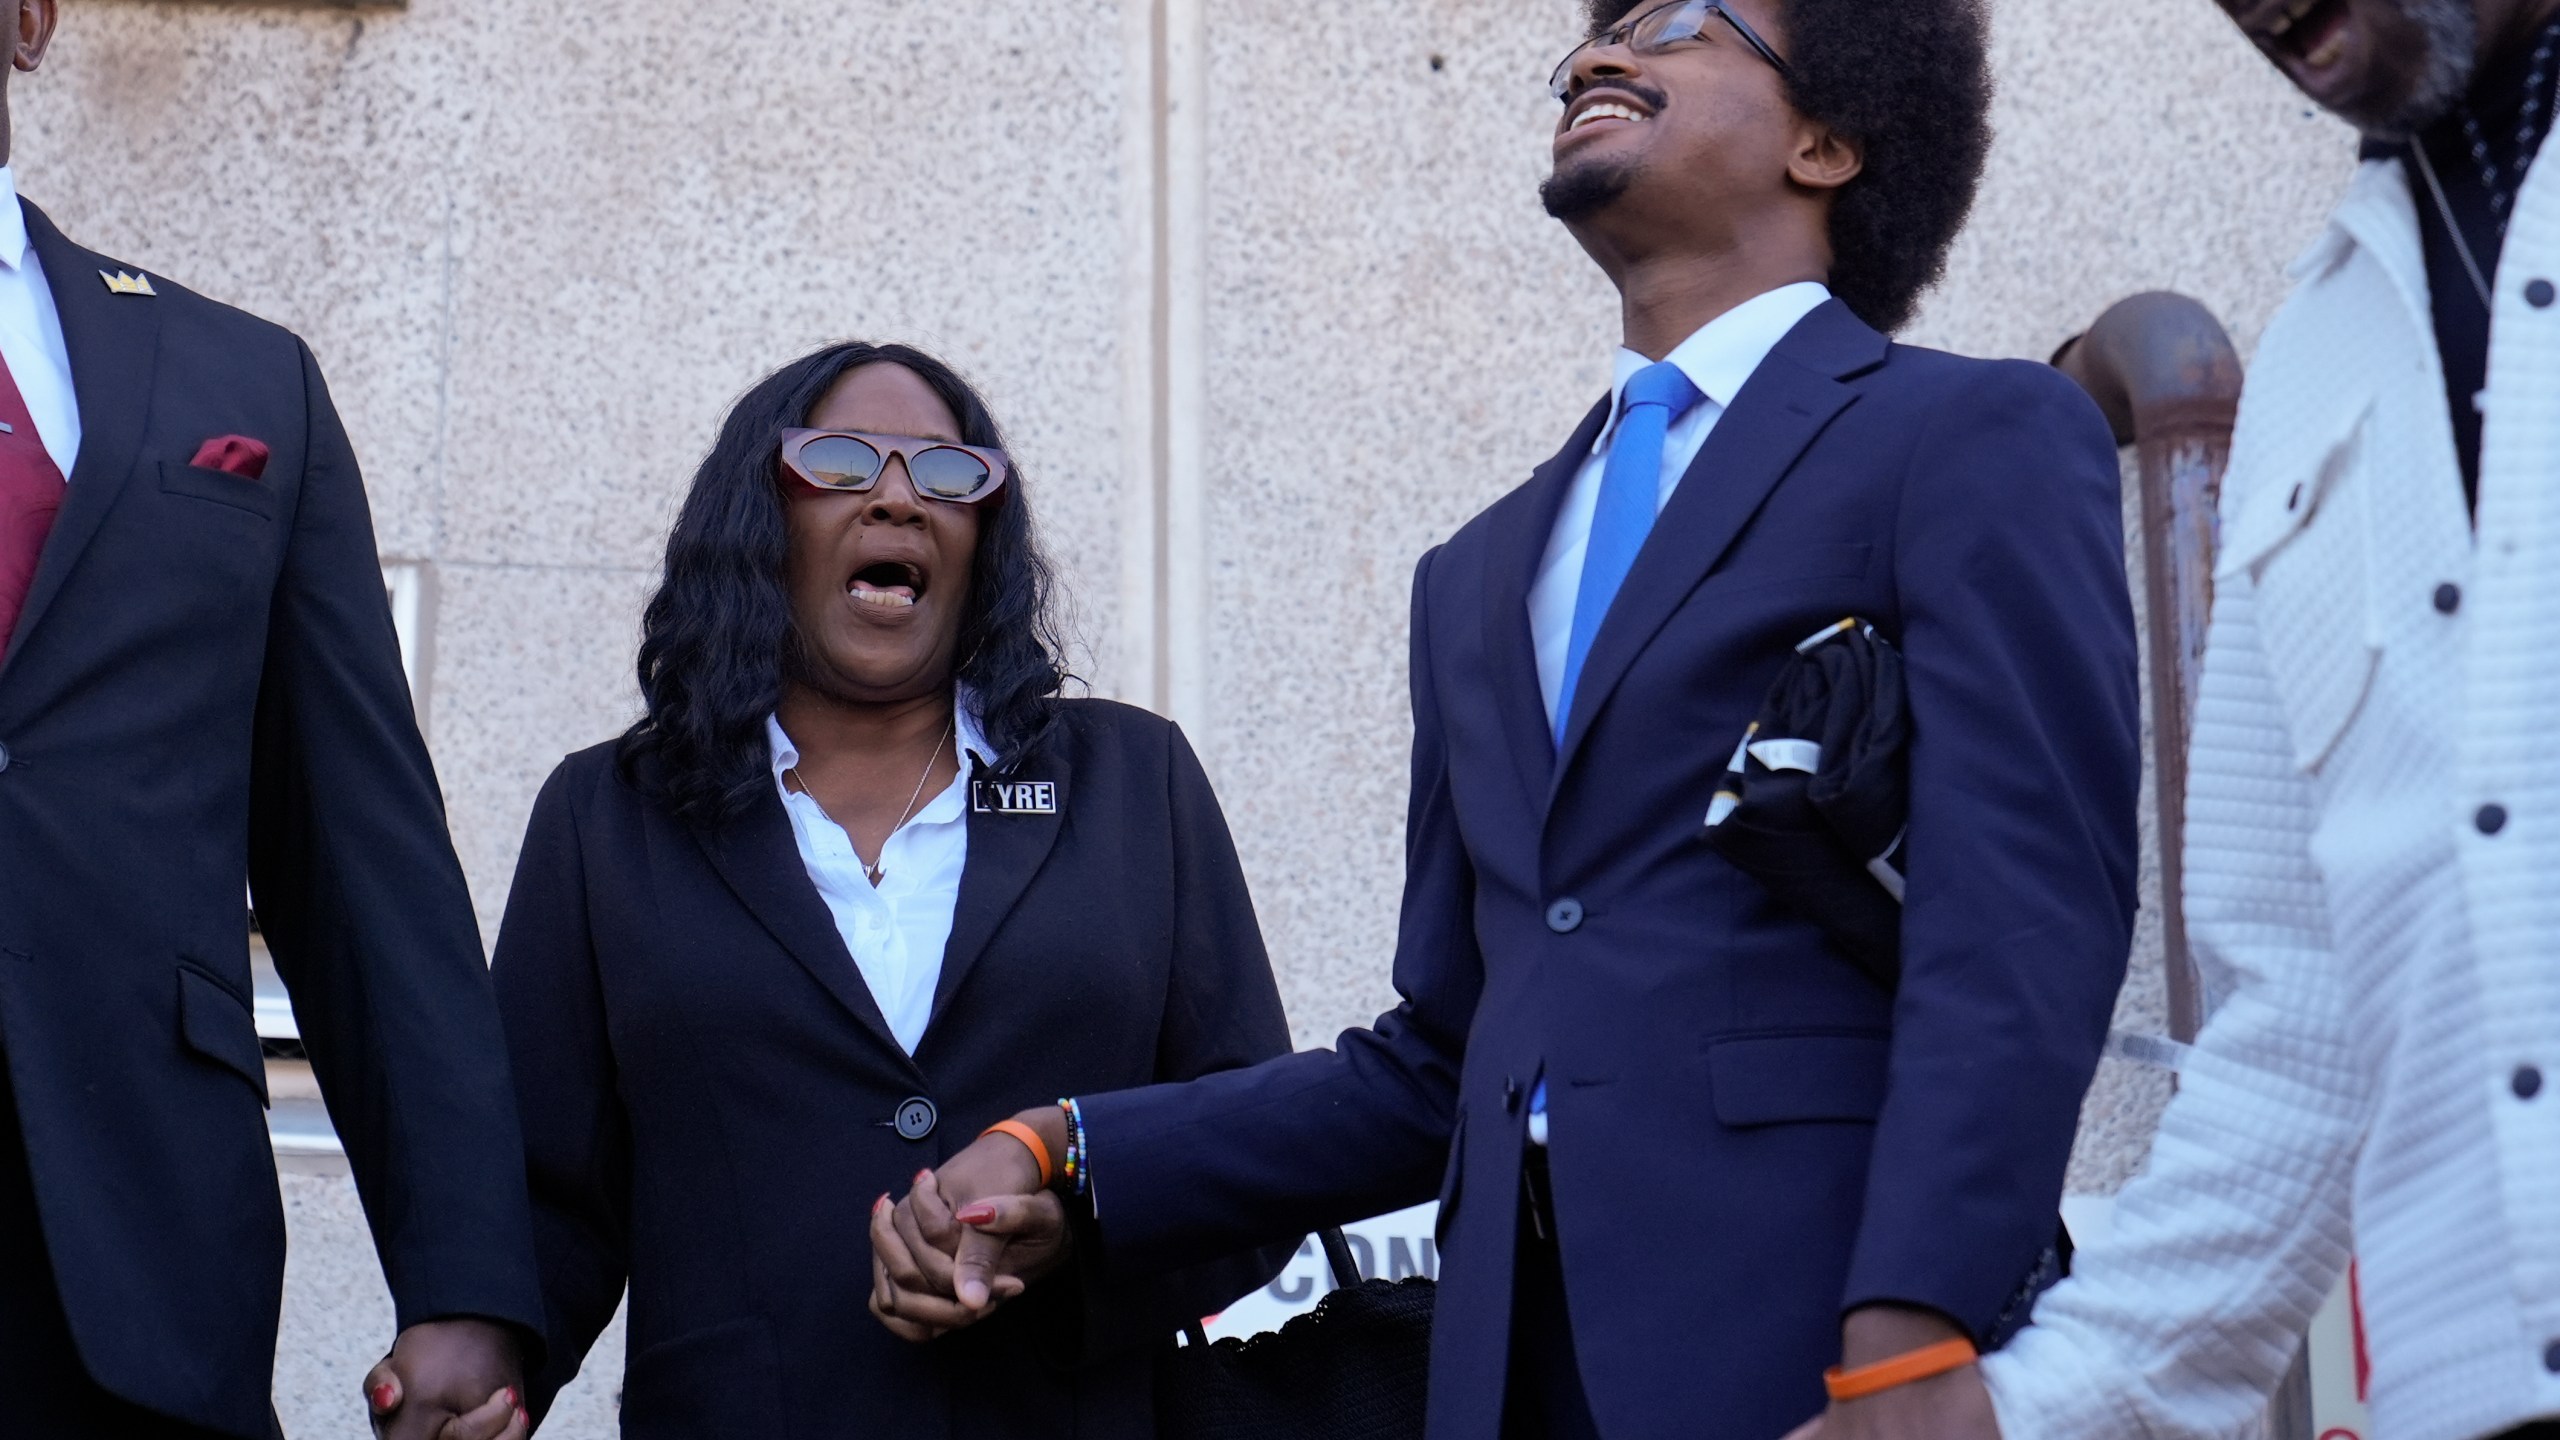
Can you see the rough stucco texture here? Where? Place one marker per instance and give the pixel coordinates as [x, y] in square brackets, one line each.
[539, 260]
[540, 252]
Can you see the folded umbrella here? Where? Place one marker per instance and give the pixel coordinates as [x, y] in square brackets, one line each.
[1816, 800]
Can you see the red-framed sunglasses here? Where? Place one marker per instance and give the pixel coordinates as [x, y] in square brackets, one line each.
[851, 461]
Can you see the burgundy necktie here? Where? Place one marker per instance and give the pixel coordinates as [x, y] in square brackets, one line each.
[31, 490]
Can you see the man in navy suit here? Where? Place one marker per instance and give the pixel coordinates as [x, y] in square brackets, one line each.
[1689, 1156]
[200, 685]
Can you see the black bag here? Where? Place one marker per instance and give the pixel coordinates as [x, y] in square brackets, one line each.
[1814, 801]
[1354, 1368]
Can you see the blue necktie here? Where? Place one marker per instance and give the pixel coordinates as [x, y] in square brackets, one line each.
[1630, 495]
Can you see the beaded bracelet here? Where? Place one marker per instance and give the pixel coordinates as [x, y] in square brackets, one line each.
[1076, 1171]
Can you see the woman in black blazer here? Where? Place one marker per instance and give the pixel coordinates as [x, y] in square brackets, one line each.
[858, 886]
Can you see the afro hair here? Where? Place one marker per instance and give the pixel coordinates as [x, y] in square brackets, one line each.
[1909, 82]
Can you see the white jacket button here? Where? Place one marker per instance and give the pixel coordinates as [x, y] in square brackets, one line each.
[2539, 294]
[2491, 819]
[2448, 598]
[2526, 1082]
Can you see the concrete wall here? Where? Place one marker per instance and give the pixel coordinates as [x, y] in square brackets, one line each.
[1263, 291]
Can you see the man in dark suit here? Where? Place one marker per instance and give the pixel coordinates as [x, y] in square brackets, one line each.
[200, 681]
[1689, 1156]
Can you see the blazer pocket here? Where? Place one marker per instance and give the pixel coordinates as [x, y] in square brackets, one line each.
[219, 486]
[2304, 543]
[719, 1383]
[217, 1024]
[1783, 1079]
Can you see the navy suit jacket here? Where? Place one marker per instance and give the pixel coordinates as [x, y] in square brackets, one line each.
[1750, 1136]
[205, 684]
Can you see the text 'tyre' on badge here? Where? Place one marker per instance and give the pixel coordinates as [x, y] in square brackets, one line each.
[1014, 797]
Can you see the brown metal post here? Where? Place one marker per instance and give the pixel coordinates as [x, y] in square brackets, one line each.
[2165, 374]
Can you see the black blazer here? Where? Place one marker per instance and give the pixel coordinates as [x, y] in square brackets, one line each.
[204, 684]
[1820, 1141]
[711, 1100]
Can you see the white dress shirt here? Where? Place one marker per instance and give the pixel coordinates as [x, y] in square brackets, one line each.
[1717, 359]
[31, 335]
[898, 930]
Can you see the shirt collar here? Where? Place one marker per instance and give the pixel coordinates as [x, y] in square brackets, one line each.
[1720, 357]
[13, 223]
[974, 749]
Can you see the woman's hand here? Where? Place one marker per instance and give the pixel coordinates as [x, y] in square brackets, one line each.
[435, 1384]
[969, 1237]
[911, 1260]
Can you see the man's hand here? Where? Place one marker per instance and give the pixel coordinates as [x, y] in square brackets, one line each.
[969, 1237]
[1953, 1406]
[449, 1380]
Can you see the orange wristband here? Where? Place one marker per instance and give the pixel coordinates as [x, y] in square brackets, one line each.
[1902, 1369]
[1031, 1141]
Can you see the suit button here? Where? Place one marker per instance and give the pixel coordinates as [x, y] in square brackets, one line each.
[2448, 598]
[916, 1118]
[2526, 1082]
[1565, 916]
[2551, 1357]
[1510, 1096]
[2491, 819]
[2539, 294]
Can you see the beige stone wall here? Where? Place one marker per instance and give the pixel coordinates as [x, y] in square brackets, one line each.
[1262, 289]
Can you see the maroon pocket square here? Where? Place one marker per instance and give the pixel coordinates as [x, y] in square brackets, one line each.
[233, 455]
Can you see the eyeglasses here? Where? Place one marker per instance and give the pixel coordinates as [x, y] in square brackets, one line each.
[1657, 30]
[854, 462]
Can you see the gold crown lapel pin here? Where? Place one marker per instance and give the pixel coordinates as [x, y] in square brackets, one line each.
[121, 283]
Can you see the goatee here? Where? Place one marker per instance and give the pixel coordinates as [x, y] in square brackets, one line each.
[1585, 189]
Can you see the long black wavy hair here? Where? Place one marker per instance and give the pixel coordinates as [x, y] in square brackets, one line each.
[718, 638]
[1910, 82]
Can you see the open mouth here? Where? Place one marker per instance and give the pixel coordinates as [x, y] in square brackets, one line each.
[887, 585]
[2312, 33]
[1604, 108]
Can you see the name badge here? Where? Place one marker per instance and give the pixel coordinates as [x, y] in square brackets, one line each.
[1014, 797]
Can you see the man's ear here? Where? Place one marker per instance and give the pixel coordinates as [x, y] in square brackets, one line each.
[1824, 159]
[34, 33]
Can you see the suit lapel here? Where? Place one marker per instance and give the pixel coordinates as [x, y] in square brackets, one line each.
[760, 861]
[114, 343]
[1510, 572]
[1005, 851]
[1786, 403]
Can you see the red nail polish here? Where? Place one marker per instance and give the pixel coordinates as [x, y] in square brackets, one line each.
[978, 1214]
[382, 1396]
[922, 1176]
[515, 1399]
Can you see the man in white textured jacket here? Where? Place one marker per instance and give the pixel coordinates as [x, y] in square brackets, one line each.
[2373, 843]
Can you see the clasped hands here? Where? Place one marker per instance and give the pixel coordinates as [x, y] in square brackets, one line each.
[977, 1232]
[459, 1379]
[969, 1236]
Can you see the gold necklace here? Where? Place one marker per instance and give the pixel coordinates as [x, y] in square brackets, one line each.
[872, 871]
